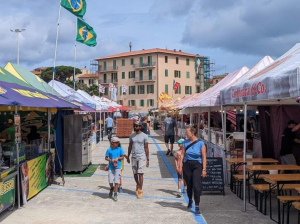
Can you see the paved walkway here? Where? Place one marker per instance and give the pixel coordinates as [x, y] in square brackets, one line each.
[85, 199]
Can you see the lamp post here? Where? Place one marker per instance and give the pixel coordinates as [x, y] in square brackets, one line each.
[17, 31]
[130, 45]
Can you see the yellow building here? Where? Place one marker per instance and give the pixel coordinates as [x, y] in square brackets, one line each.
[88, 79]
[147, 73]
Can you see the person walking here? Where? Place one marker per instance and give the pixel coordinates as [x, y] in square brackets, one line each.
[145, 126]
[169, 131]
[194, 166]
[109, 125]
[138, 147]
[178, 163]
[114, 155]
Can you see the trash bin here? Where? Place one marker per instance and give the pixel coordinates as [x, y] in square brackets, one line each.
[155, 126]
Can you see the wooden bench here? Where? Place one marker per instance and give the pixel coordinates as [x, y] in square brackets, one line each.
[262, 191]
[297, 206]
[287, 202]
[238, 183]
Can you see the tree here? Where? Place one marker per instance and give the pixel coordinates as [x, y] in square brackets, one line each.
[93, 90]
[62, 73]
[78, 85]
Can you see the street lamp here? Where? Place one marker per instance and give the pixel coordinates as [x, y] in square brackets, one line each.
[17, 31]
[130, 45]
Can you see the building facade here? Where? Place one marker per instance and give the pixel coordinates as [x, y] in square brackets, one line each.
[217, 78]
[88, 79]
[148, 73]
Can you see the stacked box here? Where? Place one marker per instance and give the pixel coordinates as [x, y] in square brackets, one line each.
[124, 127]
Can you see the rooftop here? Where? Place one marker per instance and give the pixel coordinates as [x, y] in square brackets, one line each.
[88, 76]
[154, 50]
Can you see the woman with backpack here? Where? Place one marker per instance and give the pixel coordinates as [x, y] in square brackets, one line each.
[194, 166]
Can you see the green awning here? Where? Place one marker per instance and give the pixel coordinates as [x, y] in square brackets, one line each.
[30, 78]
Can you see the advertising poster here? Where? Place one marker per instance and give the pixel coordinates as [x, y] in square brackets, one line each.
[7, 191]
[17, 128]
[33, 174]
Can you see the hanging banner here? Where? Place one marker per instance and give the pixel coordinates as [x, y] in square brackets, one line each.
[33, 175]
[7, 191]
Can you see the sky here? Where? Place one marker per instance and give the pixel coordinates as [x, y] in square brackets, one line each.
[233, 33]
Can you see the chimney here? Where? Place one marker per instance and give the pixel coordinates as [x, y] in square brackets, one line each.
[174, 49]
[179, 50]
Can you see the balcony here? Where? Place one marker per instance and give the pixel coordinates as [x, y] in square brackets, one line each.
[144, 65]
[107, 81]
[108, 69]
[145, 79]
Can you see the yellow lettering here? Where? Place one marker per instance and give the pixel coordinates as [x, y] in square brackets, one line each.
[28, 93]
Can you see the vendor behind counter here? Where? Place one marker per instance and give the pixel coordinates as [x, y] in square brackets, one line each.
[10, 131]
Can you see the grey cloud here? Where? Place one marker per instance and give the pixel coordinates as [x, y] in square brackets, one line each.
[172, 7]
[256, 27]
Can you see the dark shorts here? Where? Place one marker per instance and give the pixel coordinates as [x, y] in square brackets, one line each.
[169, 139]
[179, 176]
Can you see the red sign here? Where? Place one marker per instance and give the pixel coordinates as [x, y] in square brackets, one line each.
[256, 89]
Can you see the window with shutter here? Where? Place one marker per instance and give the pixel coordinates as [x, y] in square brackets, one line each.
[141, 103]
[166, 72]
[166, 88]
[177, 60]
[166, 59]
[187, 61]
[123, 75]
[179, 89]
[147, 103]
[123, 62]
[131, 61]
[187, 75]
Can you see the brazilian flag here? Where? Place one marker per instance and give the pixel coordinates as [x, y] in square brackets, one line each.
[86, 34]
[77, 7]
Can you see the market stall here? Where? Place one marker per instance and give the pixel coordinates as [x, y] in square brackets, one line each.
[273, 91]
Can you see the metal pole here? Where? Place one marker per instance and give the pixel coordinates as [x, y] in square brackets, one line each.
[198, 125]
[181, 135]
[75, 54]
[209, 136]
[18, 170]
[49, 126]
[100, 126]
[55, 51]
[224, 136]
[18, 49]
[244, 156]
[191, 119]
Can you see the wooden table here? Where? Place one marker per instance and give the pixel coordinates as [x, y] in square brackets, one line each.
[279, 180]
[254, 171]
[235, 163]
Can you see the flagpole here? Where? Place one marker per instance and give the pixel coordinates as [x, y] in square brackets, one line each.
[122, 95]
[57, 31]
[75, 54]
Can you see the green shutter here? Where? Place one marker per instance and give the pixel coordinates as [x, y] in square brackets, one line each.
[187, 61]
[187, 75]
[191, 90]
[179, 74]
[123, 75]
[147, 103]
[166, 73]
[131, 61]
[141, 75]
[150, 60]
[138, 89]
[104, 65]
[166, 88]
[150, 74]
[123, 62]
[180, 89]
[174, 73]
[114, 64]
[141, 61]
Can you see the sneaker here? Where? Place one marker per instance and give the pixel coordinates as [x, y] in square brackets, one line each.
[197, 211]
[139, 193]
[115, 198]
[111, 192]
[171, 154]
[120, 189]
[168, 152]
[190, 205]
[178, 195]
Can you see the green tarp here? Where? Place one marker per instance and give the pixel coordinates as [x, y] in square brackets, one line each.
[30, 78]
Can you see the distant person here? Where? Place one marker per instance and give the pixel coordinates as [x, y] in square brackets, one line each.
[229, 125]
[114, 155]
[109, 124]
[138, 148]
[33, 135]
[145, 126]
[10, 131]
[288, 139]
[241, 126]
[179, 164]
[169, 131]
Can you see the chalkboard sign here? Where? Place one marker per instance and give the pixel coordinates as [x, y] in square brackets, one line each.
[214, 180]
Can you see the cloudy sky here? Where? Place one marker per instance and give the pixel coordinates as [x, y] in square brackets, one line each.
[233, 33]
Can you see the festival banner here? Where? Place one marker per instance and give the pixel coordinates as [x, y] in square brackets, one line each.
[7, 191]
[33, 175]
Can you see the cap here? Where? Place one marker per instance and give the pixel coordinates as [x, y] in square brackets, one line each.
[10, 121]
[291, 122]
[115, 139]
[137, 123]
[180, 141]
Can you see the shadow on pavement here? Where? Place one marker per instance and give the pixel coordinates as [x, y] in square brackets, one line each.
[101, 195]
[178, 205]
[126, 191]
[173, 193]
